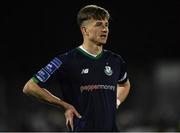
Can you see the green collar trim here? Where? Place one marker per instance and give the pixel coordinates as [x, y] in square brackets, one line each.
[90, 56]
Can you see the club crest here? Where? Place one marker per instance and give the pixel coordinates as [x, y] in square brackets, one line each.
[108, 71]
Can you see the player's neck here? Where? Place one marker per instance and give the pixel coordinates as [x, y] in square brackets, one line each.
[92, 48]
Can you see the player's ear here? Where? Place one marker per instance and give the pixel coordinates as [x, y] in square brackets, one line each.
[84, 30]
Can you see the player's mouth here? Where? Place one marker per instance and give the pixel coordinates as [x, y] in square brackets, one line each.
[103, 36]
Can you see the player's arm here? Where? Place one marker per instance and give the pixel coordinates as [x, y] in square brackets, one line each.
[31, 88]
[35, 87]
[122, 92]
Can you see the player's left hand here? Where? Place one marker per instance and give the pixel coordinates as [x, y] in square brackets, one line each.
[69, 114]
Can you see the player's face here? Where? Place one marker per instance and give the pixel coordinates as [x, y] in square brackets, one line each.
[98, 31]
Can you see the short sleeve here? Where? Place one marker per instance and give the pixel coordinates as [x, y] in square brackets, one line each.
[123, 76]
[46, 72]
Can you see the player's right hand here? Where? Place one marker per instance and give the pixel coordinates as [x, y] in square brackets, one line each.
[69, 115]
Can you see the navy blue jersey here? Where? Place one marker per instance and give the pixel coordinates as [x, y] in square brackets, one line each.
[89, 84]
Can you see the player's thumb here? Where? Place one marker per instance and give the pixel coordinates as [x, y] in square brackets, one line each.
[77, 114]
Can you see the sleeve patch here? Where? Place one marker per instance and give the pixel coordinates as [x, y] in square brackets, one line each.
[57, 62]
[43, 75]
[53, 66]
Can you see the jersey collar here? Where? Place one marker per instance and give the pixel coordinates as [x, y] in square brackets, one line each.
[87, 54]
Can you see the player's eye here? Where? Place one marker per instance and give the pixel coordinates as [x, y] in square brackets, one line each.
[98, 23]
[107, 24]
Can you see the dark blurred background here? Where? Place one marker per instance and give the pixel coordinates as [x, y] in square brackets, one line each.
[144, 33]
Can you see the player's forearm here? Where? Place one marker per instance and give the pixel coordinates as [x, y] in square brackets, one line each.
[123, 91]
[44, 95]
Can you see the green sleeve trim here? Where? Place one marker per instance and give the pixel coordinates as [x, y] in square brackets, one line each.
[35, 80]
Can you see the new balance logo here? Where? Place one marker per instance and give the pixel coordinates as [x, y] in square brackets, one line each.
[85, 71]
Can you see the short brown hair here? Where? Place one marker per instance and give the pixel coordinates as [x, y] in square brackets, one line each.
[92, 11]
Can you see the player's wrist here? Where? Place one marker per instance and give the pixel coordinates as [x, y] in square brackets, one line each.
[67, 106]
[118, 102]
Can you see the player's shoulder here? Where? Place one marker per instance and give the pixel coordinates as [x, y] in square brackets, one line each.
[113, 54]
[67, 53]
